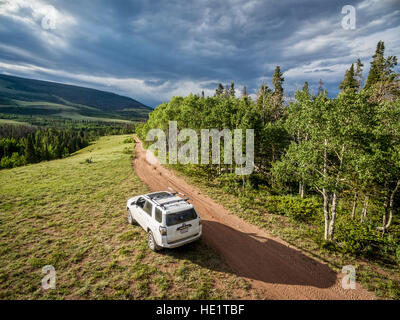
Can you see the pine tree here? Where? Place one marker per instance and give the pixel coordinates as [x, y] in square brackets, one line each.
[376, 72]
[358, 74]
[382, 78]
[30, 154]
[263, 102]
[227, 91]
[232, 90]
[320, 87]
[244, 92]
[349, 82]
[306, 87]
[220, 90]
[46, 153]
[277, 95]
[277, 81]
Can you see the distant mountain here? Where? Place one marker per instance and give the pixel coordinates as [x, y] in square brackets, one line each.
[24, 96]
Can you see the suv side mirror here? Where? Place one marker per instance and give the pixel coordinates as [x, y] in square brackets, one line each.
[132, 203]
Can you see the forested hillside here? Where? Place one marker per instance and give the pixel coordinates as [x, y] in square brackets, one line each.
[20, 96]
[25, 144]
[330, 164]
[42, 120]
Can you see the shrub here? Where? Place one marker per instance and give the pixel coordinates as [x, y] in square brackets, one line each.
[273, 204]
[357, 238]
[327, 245]
[127, 150]
[246, 200]
[294, 207]
[128, 140]
[230, 183]
[301, 209]
[15, 160]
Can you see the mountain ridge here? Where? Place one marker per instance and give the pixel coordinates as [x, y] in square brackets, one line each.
[20, 95]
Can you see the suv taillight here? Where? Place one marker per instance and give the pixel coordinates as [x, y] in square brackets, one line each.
[163, 231]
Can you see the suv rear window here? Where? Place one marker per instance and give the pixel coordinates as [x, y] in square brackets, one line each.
[180, 217]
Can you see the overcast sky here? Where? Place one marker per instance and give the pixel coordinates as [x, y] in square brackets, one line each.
[153, 50]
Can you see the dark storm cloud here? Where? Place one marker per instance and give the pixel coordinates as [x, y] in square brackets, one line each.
[152, 50]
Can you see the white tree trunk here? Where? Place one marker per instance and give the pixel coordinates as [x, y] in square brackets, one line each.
[325, 194]
[391, 204]
[301, 189]
[331, 230]
[326, 213]
[385, 212]
[386, 223]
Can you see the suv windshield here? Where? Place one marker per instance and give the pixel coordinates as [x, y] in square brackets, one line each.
[180, 217]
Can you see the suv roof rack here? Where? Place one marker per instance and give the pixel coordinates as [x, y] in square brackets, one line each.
[157, 203]
[173, 201]
[156, 196]
[176, 192]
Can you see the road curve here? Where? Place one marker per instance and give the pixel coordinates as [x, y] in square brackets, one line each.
[274, 268]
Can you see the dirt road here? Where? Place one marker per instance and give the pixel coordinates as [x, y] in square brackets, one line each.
[274, 268]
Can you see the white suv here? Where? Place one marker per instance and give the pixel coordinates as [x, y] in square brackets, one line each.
[169, 220]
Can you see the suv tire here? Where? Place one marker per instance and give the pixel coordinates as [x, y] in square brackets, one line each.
[152, 243]
[130, 218]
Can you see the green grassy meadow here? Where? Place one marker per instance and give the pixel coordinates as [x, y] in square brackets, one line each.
[70, 213]
[13, 122]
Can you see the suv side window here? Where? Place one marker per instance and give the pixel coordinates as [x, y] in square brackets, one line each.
[158, 215]
[148, 207]
[140, 202]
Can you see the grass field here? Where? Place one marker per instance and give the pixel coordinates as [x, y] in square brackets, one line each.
[70, 213]
[13, 122]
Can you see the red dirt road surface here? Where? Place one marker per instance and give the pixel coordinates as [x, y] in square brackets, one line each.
[274, 268]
